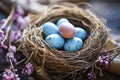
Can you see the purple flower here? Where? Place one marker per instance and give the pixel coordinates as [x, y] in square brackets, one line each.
[15, 35]
[16, 15]
[106, 62]
[90, 75]
[27, 19]
[4, 46]
[10, 55]
[21, 23]
[103, 59]
[9, 74]
[28, 69]
[12, 49]
[20, 10]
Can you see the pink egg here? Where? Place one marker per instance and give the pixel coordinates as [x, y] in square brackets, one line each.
[67, 30]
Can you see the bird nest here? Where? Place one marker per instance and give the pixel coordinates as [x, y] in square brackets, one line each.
[53, 64]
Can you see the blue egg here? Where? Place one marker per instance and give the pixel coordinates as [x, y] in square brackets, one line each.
[55, 41]
[73, 44]
[50, 28]
[81, 33]
[61, 20]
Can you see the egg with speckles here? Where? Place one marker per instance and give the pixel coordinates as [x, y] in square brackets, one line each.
[55, 41]
[73, 44]
[80, 32]
[50, 28]
[61, 20]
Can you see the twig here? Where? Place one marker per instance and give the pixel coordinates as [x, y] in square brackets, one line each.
[6, 22]
[114, 57]
[9, 33]
[29, 58]
[11, 64]
[9, 17]
[20, 62]
[102, 58]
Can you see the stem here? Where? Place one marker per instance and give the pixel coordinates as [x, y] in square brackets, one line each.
[20, 62]
[29, 58]
[6, 22]
[11, 64]
[9, 33]
[102, 58]
[114, 57]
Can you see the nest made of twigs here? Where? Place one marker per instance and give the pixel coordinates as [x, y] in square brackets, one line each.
[52, 64]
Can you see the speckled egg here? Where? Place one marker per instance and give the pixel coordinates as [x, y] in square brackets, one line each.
[50, 28]
[67, 30]
[55, 41]
[73, 44]
[61, 21]
[81, 33]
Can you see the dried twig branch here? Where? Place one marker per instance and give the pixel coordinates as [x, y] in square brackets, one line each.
[6, 22]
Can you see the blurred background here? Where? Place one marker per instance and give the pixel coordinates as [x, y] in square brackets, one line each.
[108, 9]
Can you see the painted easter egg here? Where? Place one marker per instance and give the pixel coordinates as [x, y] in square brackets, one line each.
[73, 44]
[81, 33]
[55, 41]
[67, 30]
[50, 28]
[61, 21]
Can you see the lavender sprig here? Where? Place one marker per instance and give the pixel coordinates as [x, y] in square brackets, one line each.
[28, 69]
[90, 75]
[103, 59]
[10, 74]
[8, 35]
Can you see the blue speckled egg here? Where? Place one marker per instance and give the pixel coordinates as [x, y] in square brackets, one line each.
[55, 41]
[73, 44]
[50, 28]
[61, 20]
[81, 33]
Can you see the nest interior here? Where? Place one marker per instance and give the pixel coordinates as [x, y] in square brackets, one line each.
[52, 64]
